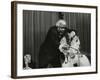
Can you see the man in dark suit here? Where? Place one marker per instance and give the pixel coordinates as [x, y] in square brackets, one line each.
[49, 53]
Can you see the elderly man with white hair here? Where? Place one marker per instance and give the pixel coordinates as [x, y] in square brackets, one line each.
[49, 53]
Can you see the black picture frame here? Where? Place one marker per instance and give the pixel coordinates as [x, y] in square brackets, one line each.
[14, 37]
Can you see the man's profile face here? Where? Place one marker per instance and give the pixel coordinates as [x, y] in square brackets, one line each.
[27, 58]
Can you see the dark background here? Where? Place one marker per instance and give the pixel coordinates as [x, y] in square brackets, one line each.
[37, 23]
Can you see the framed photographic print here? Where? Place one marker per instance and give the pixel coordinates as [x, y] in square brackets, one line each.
[50, 39]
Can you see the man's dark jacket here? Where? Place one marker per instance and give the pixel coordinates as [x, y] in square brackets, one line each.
[49, 52]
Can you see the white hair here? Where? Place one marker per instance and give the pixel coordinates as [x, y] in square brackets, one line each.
[61, 23]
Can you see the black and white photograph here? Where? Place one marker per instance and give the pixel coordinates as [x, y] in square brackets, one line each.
[54, 39]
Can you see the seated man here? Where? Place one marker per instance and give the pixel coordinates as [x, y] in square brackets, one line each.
[69, 46]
